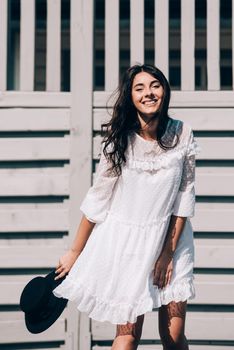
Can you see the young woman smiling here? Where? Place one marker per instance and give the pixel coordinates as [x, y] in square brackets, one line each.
[134, 249]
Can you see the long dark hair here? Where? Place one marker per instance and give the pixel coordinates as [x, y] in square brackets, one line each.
[124, 120]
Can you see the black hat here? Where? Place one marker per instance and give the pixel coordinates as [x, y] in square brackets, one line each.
[41, 307]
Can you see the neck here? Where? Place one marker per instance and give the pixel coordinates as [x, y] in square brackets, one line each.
[148, 126]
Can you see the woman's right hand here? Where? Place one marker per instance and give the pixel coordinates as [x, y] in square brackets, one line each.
[65, 263]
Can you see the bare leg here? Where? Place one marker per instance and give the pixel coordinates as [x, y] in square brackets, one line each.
[128, 335]
[171, 326]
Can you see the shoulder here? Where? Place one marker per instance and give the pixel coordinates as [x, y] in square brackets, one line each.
[181, 128]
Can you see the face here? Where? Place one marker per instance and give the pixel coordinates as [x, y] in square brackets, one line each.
[147, 93]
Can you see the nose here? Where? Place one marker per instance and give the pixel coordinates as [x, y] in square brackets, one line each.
[148, 91]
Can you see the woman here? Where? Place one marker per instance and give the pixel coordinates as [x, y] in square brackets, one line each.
[140, 253]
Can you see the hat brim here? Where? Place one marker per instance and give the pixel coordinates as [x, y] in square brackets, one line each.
[38, 326]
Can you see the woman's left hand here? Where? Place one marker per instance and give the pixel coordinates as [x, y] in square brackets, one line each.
[163, 270]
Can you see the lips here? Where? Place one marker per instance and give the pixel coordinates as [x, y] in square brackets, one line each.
[150, 102]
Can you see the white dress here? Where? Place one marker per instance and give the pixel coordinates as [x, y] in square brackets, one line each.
[112, 279]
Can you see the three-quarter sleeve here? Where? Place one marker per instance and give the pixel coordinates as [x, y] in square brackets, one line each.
[97, 200]
[184, 204]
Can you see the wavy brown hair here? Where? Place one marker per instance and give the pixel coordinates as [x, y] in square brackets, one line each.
[124, 120]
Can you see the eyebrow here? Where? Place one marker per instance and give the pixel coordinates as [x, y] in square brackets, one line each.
[152, 82]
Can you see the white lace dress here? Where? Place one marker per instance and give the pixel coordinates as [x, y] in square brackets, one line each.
[112, 279]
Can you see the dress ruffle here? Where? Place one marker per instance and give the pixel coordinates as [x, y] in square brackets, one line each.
[181, 291]
[121, 313]
[102, 310]
[165, 160]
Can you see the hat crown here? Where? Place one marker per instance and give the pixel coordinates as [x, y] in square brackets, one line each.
[35, 295]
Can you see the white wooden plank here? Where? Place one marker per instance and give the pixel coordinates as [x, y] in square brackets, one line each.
[27, 44]
[210, 289]
[40, 182]
[208, 180]
[3, 45]
[213, 45]
[10, 321]
[199, 326]
[35, 99]
[41, 256]
[111, 44]
[34, 218]
[213, 217]
[53, 45]
[182, 99]
[214, 253]
[200, 119]
[136, 31]
[30, 148]
[187, 44]
[34, 119]
[211, 147]
[161, 35]
[159, 347]
[213, 289]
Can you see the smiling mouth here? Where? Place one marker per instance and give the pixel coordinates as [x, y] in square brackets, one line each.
[150, 103]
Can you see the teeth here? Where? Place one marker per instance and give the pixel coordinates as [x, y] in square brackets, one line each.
[150, 102]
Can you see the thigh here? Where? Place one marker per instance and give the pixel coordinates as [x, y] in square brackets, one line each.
[134, 329]
[172, 320]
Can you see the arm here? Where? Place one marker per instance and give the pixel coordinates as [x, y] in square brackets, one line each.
[164, 264]
[183, 207]
[94, 208]
[67, 260]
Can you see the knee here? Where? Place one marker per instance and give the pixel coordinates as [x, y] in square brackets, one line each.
[125, 341]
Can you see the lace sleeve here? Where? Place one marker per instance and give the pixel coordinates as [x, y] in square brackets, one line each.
[97, 200]
[184, 204]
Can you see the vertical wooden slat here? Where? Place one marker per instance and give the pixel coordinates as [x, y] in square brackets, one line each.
[111, 44]
[27, 44]
[137, 31]
[187, 44]
[213, 44]
[53, 55]
[161, 35]
[81, 127]
[3, 45]
[233, 44]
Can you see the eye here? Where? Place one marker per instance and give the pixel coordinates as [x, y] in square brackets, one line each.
[155, 86]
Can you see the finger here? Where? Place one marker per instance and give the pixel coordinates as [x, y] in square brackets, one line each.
[161, 280]
[62, 274]
[169, 276]
[60, 269]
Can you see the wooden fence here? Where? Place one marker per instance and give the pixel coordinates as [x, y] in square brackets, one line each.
[50, 141]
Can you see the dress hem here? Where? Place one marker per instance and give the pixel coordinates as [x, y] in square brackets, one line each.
[120, 313]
